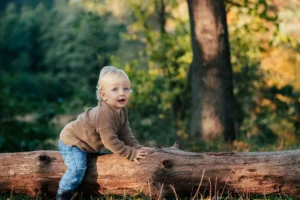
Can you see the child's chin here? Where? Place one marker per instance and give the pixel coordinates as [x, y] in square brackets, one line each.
[122, 104]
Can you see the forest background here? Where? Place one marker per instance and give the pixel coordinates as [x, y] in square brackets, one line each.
[51, 53]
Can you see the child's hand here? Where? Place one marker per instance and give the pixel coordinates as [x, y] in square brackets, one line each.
[140, 154]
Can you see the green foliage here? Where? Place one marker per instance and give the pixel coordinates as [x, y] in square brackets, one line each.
[159, 106]
[158, 72]
[50, 66]
[47, 64]
[267, 116]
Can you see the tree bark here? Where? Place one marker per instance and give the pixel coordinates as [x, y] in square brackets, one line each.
[211, 74]
[166, 172]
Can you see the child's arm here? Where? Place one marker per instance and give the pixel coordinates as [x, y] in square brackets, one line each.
[107, 127]
[111, 141]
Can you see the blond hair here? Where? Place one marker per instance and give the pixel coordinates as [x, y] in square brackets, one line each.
[108, 70]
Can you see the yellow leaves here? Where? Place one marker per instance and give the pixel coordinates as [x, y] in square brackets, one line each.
[283, 98]
[127, 68]
[161, 116]
[285, 130]
[182, 134]
[155, 72]
[166, 103]
[239, 146]
[179, 14]
[265, 103]
[186, 58]
[231, 15]
[282, 67]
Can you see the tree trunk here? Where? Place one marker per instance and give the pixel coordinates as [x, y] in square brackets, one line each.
[166, 172]
[211, 73]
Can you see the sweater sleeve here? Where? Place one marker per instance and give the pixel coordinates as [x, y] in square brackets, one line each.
[111, 141]
[107, 128]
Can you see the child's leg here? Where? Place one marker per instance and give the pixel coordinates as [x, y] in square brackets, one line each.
[75, 159]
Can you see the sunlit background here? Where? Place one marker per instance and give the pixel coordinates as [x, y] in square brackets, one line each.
[51, 53]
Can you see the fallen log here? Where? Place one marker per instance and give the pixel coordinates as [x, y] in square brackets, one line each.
[166, 172]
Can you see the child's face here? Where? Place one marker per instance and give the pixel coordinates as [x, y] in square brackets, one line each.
[116, 91]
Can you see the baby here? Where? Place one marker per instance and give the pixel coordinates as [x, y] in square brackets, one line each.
[103, 126]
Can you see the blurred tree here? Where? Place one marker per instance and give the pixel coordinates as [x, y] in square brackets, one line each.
[158, 50]
[21, 3]
[265, 115]
[210, 73]
[27, 106]
[263, 60]
[76, 44]
[49, 65]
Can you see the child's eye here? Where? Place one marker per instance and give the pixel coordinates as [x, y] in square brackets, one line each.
[115, 89]
[126, 89]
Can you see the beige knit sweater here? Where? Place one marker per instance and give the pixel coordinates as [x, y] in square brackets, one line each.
[101, 126]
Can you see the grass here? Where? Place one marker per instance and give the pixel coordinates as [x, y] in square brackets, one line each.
[140, 197]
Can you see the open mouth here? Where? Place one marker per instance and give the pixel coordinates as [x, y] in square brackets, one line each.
[121, 100]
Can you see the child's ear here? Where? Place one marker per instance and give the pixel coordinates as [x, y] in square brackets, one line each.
[102, 95]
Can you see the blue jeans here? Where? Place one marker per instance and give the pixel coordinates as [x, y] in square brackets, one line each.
[76, 161]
